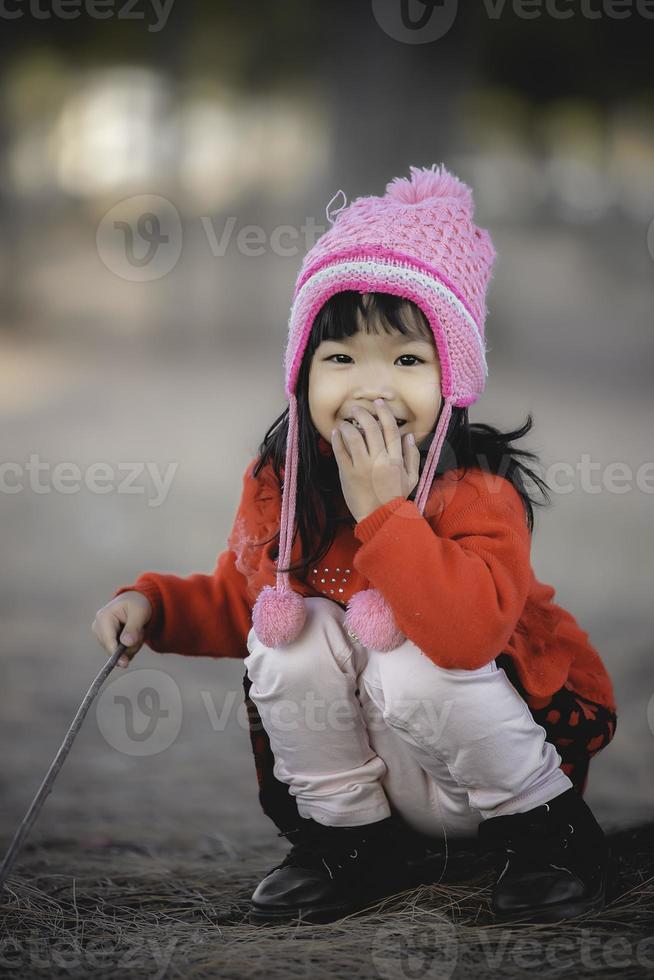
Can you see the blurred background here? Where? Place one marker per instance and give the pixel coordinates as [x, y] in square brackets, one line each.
[165, 167]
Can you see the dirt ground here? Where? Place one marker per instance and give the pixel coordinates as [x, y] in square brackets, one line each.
[153, 851]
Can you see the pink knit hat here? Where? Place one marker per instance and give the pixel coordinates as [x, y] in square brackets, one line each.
[417, 241]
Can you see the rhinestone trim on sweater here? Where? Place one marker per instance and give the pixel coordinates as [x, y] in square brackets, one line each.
[326, 572]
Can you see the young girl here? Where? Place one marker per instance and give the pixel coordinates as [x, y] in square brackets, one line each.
[413, 680]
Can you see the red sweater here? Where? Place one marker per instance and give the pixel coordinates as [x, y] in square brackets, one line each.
[458, 579]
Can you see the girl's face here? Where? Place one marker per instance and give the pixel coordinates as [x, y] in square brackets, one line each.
[403, 370]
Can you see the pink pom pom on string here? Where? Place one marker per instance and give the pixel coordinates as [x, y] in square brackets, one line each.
[370, 619]
[278, 616]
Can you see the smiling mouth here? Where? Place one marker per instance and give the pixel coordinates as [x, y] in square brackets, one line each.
[400, 422]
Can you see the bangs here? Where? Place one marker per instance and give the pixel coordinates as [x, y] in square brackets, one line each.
[349, 311]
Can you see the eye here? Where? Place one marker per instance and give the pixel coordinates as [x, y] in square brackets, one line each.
[412, 357]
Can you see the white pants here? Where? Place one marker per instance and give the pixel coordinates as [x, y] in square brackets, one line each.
[358, 734]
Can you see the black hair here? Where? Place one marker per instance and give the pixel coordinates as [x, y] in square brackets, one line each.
[319, 494]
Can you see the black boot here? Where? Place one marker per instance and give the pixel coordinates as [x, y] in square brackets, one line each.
[551, 861]
[331, 872]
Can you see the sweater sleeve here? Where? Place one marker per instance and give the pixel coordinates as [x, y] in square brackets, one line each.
[200, 615]
[456, 592]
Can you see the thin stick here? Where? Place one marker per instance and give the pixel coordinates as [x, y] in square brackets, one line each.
[57, 763]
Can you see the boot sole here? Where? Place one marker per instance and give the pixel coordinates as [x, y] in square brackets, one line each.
[318, 914]
[562, 910]
[329, 912]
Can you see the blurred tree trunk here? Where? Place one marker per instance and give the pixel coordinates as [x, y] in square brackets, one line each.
[394, 104]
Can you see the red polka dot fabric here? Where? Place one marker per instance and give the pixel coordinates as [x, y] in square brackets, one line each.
[578, 727]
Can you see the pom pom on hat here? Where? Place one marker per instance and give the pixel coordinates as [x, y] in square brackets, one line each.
[426, 183]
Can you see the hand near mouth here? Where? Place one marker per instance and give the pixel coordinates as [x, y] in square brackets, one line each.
[375, 463]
